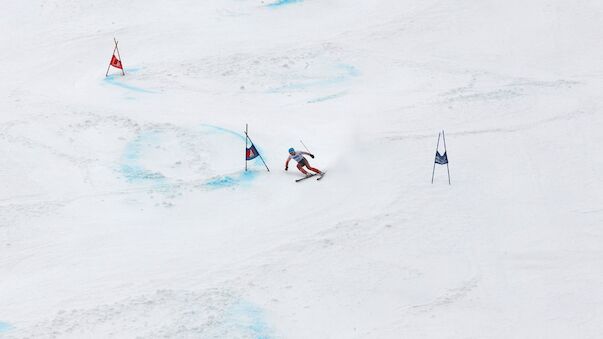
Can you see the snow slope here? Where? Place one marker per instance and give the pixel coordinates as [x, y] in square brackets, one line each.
[125, 211]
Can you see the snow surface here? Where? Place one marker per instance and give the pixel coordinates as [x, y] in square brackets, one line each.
[125, 211]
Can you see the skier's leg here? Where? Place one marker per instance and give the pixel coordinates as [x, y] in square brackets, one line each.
[300, 167]
[317, 171]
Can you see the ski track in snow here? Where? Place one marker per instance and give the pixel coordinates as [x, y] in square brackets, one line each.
[164, 314]
[510, 129]
[341, 74]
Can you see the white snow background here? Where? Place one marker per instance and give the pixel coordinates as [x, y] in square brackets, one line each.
[125, 211]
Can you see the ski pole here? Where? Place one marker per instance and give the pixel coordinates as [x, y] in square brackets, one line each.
[305, 146]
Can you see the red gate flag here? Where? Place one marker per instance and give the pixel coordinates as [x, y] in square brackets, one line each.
[115, 62]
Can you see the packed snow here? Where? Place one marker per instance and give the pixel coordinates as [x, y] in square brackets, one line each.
[126, 210]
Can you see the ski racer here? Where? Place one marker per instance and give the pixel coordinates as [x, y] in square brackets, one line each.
[301, 162]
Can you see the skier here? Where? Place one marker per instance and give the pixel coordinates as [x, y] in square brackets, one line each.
[301, 162]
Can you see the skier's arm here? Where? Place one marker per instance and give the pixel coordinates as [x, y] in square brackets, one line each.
[310, 154]
[287, 163]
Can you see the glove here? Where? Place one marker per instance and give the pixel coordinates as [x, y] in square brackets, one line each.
[286, 168]
[312, 156]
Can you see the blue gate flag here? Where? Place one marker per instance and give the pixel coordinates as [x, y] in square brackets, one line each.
[441, 159]
[251, 153]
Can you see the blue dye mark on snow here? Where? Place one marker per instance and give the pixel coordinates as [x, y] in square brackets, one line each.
[248, 319]
[281, 3]
[230, 181]
[130, 167]
[325, 98]
[213, 128]
[241, 136]
[350, 70]
[134, 171]
[5, 327]
[221, 182]
[343, 73]
[116, 80]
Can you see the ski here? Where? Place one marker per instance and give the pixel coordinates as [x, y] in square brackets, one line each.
[322, 175]
[304, 178]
